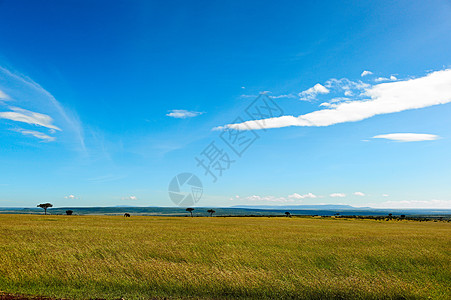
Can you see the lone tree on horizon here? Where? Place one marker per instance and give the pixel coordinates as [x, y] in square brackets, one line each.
[69, 212]
[211, 212]
[190, 209]
[287, 213]
[45, 206]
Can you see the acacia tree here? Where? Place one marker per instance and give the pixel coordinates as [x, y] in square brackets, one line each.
[211, 212]
[287, 213]
[45, 206]
[190, 210]
[69, 212]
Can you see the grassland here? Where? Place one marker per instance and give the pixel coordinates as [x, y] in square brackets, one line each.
[82, 257]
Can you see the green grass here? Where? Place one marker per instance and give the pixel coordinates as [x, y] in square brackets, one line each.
[82, 257]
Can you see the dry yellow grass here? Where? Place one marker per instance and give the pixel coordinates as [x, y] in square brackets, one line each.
[84, 257]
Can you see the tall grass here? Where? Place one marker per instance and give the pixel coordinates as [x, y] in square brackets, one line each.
[83, 257]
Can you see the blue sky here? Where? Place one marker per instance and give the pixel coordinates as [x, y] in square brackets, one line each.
[104, 102]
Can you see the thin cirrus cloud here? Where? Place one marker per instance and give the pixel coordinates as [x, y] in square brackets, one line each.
[27, 93]
[4, 96]
[434, 203]
[183, 114]
[407, 137]
[42, 136]
[22, 115]
[270, 198]
[383, 98]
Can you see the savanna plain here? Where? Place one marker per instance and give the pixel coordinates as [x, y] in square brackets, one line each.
[142, 257]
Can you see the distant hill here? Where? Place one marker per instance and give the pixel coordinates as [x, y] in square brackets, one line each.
[304, 207]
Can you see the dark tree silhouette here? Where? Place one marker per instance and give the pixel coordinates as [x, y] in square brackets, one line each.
[403, 216]
[190, 210]
[45, 206]
[287, 213]
[69, 212]
[211, 212]
[127, 215]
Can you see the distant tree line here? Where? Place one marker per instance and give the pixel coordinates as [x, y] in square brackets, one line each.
[396, 218]
[336, 215]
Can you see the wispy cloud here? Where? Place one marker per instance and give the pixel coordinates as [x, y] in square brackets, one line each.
[298, 196]
[182, 114]
[22, 115]
[283, 96]
[407, 137]
[37, 134]
[434, 204]
[359, 194]
[380, 79]
[311, 93]
[289, 199]
[39, 96]
[384, 98]
[337, 195]
[72, 197]
[4, 96]
[268, 199]
[366, 73]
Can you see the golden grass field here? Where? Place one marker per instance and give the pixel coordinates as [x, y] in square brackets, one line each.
[82, 257]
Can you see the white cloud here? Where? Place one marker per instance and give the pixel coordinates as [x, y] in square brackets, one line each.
[248, 96]
[182, 114]
[346, 85]
[30, 90]
[283, 96]
[385, 195]
[298, 196]
[37, 134]
[365, 73]
[436, 204]
[70, 197]
[22, 115]
[132, 198]
[359, 194]
[407, 137]
[311, 93]
[339, 195]
[3, 96]
[391, 78]
[384, 98]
